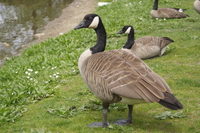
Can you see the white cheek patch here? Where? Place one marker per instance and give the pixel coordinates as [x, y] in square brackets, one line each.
[94, 23]
[128, 30]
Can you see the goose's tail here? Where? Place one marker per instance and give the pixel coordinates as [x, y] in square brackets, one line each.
[170, 102]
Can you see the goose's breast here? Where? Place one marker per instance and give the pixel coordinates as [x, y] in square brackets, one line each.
[154, 13]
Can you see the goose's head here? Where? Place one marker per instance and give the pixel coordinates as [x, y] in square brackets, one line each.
[126, 30]
[89, 21]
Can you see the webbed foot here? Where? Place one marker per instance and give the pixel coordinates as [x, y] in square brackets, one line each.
[122, 122]
[98, 124]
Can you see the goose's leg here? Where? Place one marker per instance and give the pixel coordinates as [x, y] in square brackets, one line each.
[105, 112]
[104, 122]
[129, 119]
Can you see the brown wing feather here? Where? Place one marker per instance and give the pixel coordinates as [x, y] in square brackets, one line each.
[150, 46]
[117, 73]
[154, 41]
[147, 40]
[170, 13]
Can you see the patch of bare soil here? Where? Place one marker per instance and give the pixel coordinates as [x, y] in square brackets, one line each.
[70, 17]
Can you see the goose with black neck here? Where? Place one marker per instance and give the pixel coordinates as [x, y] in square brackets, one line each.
[167, 12]
[120, 76]
[145, 47]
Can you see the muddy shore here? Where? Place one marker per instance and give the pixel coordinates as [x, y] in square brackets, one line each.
[69, 18]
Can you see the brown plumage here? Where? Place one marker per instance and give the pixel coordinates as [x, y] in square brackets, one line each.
[166, 12]
[145, 47]
[197, 6]
[120, 76]
[116, 73]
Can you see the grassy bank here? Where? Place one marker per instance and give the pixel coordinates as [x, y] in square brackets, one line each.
[42, 91]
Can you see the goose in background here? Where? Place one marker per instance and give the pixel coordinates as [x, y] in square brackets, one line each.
[145, 47]
[180, 9]
[167, 12]
[120, 76]
[197, 6]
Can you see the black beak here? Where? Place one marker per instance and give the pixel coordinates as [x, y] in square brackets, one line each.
[120, 32]
[81, 25]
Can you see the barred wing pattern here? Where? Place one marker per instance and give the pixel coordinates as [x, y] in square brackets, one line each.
[170, 13]
[114, 74]
[161, 42]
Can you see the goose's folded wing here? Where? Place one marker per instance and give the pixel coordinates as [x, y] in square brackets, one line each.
[132, 78]
[146, 40]
[171, 13]
[122, 73]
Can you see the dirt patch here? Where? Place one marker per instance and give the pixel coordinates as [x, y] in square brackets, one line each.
[69, 18]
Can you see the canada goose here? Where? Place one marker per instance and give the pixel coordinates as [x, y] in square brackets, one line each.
[166, 12]
[180, 9]
[197, 6]
[145, 47]
[119, 76]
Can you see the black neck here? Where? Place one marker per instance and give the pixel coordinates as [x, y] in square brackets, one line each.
[130, 41]
[101, 39]
[155, 6]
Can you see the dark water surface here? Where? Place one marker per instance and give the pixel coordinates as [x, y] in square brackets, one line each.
[21, 19]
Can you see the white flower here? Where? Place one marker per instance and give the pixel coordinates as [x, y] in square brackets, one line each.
[30, 70]
[54, 67]
[36, 72]
[27, 73]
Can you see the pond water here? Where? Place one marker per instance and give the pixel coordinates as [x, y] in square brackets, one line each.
[20, 20]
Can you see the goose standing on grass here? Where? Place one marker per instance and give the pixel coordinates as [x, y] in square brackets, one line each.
[197, 6]
[119, 76]
[145, 47]
[166, 12]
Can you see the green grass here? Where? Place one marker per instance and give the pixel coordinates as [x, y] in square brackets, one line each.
[42, 91]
